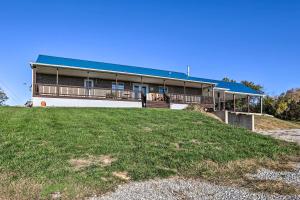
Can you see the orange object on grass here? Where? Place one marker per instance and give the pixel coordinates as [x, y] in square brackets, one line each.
[43, 103]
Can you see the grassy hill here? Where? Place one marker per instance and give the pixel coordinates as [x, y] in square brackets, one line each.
[80, 152]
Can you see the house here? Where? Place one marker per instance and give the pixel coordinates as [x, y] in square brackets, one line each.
[58, 81]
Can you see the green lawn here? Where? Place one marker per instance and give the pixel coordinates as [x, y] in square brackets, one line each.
[37, 145]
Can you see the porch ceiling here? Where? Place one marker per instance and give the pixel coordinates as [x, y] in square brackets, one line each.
[112, 76]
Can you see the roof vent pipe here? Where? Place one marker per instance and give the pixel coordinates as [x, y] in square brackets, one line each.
[188, 70]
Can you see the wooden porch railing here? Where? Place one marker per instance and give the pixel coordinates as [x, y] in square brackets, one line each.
[109, 93]
[82, 92]
[181, 98]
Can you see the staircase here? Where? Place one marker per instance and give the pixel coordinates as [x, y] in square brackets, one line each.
[157, 104]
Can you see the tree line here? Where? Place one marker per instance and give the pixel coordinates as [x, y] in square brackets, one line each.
[285, 106]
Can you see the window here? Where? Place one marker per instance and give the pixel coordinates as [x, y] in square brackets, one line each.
[162, 90]
[119, 87]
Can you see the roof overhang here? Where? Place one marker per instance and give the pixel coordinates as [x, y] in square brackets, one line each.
[244, 93]
[117, 72]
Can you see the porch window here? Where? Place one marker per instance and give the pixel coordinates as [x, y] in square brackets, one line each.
[162, 90]
[120, 86]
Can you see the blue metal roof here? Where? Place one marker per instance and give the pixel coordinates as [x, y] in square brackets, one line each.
[101, 66]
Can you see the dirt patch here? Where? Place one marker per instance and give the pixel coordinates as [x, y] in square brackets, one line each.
[102, 160]
[20, 189]
[122, 175]
[272, 123]
[273, 186]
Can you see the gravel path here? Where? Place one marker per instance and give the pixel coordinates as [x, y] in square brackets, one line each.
[179, 189]
[291, 135]
[292, 177]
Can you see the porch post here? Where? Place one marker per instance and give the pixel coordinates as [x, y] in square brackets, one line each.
[224, 99]
[219, 101]
[213, 95]
[261, 104]
[248, 103]
[116, 89]
[184, 92]
[33, 81]
[234, 102]
[57, 87]
[141, 94]
[88, 88]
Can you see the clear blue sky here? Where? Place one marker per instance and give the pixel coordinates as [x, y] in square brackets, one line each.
[251, 40]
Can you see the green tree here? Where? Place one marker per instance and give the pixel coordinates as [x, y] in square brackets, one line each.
[3, 97]
[269, 105]
[252, 85]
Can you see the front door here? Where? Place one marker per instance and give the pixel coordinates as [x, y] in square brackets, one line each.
[89, 85]
[139, 89]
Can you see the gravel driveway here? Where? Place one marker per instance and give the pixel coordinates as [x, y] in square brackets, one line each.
[179, 189]
[291, 135]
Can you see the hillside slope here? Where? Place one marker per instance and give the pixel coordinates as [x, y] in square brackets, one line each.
[272, 123]
[85, 151]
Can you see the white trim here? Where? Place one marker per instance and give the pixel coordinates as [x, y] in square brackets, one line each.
[218, 88]
[98, 70]
[68, 102]
[251, 94]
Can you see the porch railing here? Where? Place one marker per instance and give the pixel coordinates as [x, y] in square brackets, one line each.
[109, 93]
[82, 92]
[181, 98]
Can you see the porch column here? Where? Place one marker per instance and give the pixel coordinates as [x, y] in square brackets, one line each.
[224, 101]
[33, 81]
[143, 99]
[234, 102]
[261, 104]
[88, 87]
[116, 87]
[57, 87]
[184, 93]
[213, 95]
[248, 103]
[219, 101]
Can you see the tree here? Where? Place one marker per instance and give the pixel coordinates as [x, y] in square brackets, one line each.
[252, 85]
[3, 97]
[269, 105]
[226, 79]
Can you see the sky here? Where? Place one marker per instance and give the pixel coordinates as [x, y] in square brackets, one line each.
[250, 40]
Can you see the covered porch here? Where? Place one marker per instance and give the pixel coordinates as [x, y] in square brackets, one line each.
[51, 81]
[237, 102]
